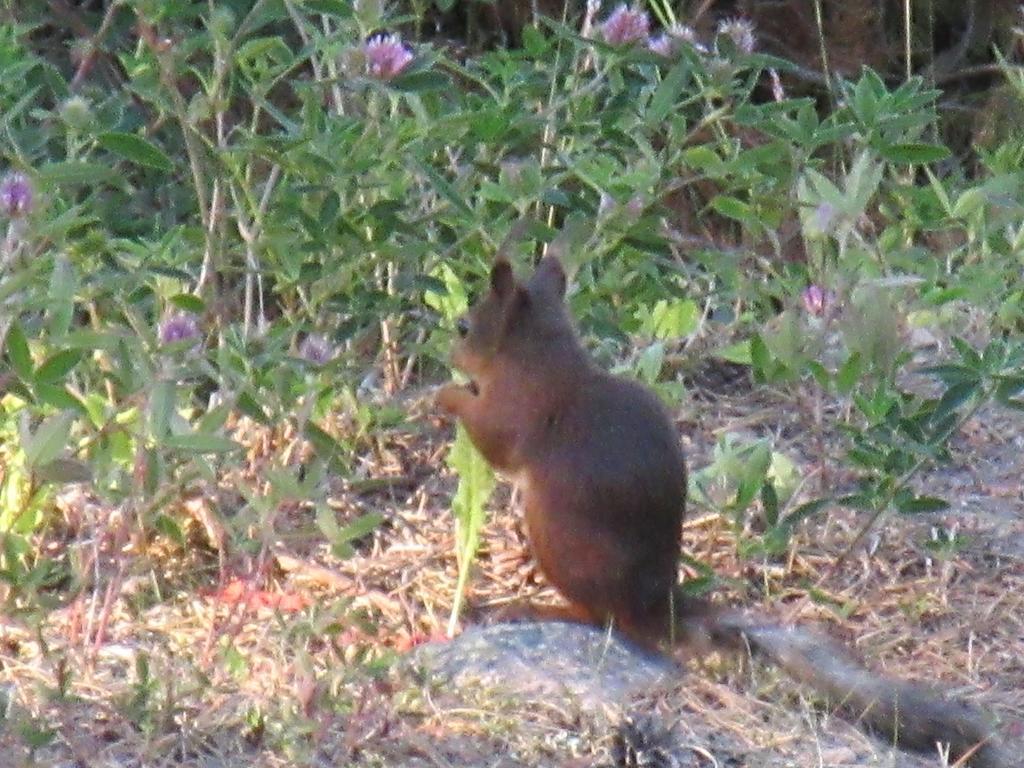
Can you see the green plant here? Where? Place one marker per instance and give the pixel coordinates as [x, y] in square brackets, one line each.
[475, 483]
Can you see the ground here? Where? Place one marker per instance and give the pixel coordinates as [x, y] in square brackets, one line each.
[183, 658]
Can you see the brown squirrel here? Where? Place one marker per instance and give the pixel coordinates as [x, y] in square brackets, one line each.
[603, 482]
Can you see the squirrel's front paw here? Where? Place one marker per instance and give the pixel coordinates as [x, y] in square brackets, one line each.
[451, 398]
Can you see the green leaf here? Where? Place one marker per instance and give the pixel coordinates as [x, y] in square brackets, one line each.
[247, 404]
[738, 353]
[161, 405]
[360, 527]
[534, 43]
[326, 522]
[914, 153]
[1009, 389]
[136, 149]
[734, 208]
[200, 443]
[814, 188]
[649, 363]
[939, 190]
[326, 447]
[760, 356]
[667, 92]
[757, 461]
[475, 483]
[842, 609]
[340, 538]
[169, 527]
[970, 201]
[953, 398]
[805, 511]
[820, 374]
[152, 470]
[57, 366]
[444, 188]
[58, 397]
[449, 296]
[18, 353]
[861, 184]
[475, 478]
[848, 375]
[951, 374]
[329, 209]
[770, 502]
[214, 419]
[35, 737]
[868, 459]
[421, 81]
[75, 173]
[968, 354]
[936, 297]
[49, 439]
[235, 662]
[61, 301]
[14, 283]
[863, 501]
[261, 59]
[189, 303]
[284, 484]
[340, 8]
[918, 504]
[865, 96]
[92, 340]
[702, 158]
[673, 319]
[64, 471]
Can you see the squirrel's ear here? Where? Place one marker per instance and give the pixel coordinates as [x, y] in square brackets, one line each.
[549, 276]
[503, 281]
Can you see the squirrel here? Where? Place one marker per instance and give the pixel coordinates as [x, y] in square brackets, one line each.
[603, 482]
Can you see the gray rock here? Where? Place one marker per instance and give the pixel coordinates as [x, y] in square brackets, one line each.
[531, 661]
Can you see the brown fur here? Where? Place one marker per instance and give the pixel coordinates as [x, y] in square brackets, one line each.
[603, 481]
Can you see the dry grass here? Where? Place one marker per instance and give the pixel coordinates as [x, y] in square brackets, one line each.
[292, 668]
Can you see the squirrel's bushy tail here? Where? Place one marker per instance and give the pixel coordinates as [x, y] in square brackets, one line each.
[912, 716]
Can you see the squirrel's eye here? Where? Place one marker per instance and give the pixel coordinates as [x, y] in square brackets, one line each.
[462, 326]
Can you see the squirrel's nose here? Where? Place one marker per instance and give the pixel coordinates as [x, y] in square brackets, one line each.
[462, 326]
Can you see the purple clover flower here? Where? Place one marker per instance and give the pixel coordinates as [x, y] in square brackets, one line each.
[740, 31]
[817, 301]
[316, 350]
[662, 45]
[669, 42]
[181, 326]
[16, 195]
[825, 217]
[625, 25]
[386, 55]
